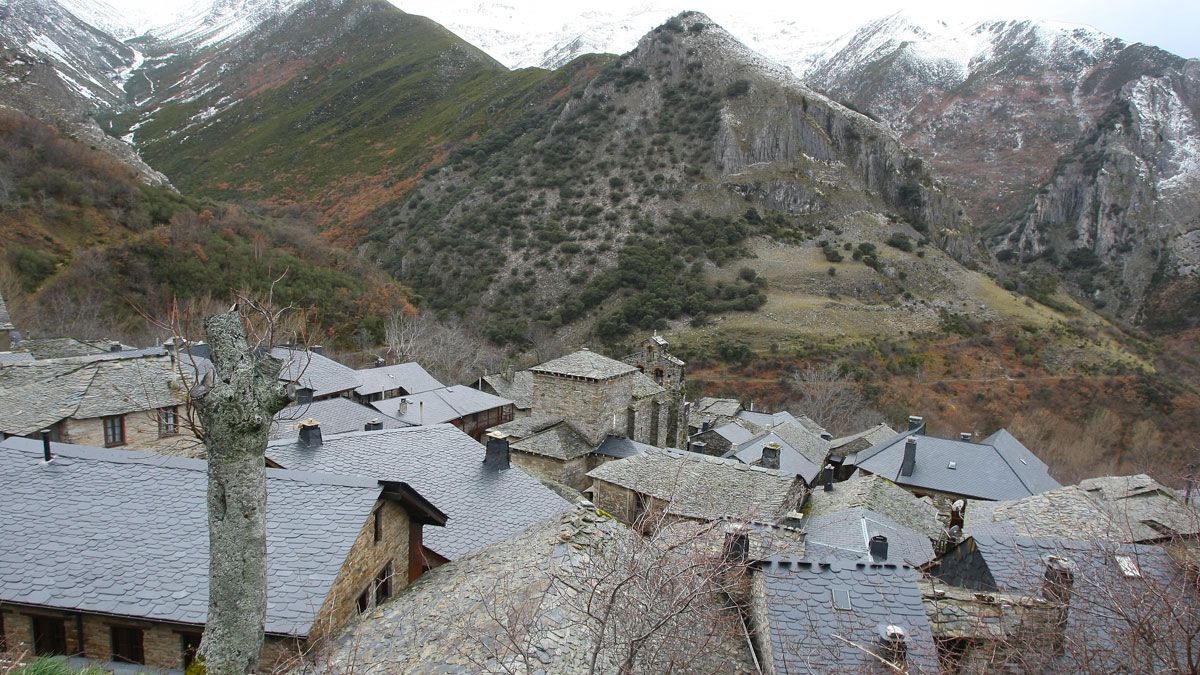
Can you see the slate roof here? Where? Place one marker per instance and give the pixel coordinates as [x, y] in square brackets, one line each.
[37, 394]
[409, 376]
[861, 440]
[5, 320]
[315, 371]
[803, 627]
[997, 468]
[440, 405]
[734, 432]
[525, 426]
[621, 447]
[705, 487]
[126, 533]
[15, 357]
[1148, 508]
[791, 460]
[519, 389]
[335, 415]
[560, 441]
[1069, 512]
[61, 348]
[1106, 604]
[848, 533]
[452, 619]
[587, 364]
[880, 496]
[768, 420]
[720, 407]
[643, 386]
[446, 467]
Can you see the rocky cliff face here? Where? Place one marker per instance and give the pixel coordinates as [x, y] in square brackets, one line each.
[1055, 138]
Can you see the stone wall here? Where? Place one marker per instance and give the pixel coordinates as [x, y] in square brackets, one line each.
[602, 407]
[614, 499]
[572, 473]
[162, 643]
[367, 557]
[141, 433]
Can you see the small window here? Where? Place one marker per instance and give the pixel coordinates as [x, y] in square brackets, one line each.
[168, 421]
[377, 524]
[127, 645]
[114, 431]
[189, 644]
[1128, 565]
[841, 599]
[383, 584]
[364, 601]
[49, 636]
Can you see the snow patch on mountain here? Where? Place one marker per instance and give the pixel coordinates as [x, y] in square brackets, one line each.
[209, 24]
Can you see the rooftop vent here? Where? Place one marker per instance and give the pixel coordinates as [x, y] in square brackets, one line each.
[304, 394]
[910, 456]
[46, 453]
[965, 436]
[878, 547]
[310, 433]
[380, 362]
[497, 455]
[317, 349]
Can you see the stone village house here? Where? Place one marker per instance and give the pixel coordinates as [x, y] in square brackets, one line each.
[105, 553]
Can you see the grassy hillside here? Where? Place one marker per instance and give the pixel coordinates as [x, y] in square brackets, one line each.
[86, 249]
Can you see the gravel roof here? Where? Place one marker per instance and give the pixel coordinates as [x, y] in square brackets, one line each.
[440, 405]
[585, 363]
[880, 496]
[409, 376]
[335, 415]
[803, 626]
[705, 487]
[446, 467]
[37, 394]
[126, 533]
[997, 468]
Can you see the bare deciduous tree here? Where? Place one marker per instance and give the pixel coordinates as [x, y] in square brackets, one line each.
[824, 394]
[447, 350]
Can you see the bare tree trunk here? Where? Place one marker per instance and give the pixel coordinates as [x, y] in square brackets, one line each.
[235, 413]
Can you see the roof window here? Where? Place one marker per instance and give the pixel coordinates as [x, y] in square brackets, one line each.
[841, 599]
[1128, 565]
[952, 465]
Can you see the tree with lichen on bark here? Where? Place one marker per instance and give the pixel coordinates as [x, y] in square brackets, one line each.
[236, 403]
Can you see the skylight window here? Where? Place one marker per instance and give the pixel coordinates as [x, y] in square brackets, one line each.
[841, 599]
[1128, 565]
[952, 465]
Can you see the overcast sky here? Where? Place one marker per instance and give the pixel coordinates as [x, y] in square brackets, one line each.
[1173, 25]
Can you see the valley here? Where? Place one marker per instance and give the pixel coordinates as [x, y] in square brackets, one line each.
[994, 222]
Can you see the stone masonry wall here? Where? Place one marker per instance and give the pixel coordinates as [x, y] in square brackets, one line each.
[141, 432]
[572, 473]
[367, 557]
[614, 499]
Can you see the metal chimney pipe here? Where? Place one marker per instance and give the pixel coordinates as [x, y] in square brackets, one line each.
[46, 453]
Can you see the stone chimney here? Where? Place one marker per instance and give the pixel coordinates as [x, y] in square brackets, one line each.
[827, 477]
[965, 436]
[304, 395]
[497, 456]
[114, 346]
[699, 446]
[915, 422]
[374, 425]
[1056, 588]
[910, 456]
[317, 349]
[310, 433]
[402, 407]
[770, 455]
[380, 362]
[737, 545]
[878, 547]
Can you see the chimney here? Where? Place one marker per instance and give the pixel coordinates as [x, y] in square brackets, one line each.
[705, 426]
[770, 455]
[1056, 588]
[420, 412]
[699, 447]
[304, 395]
[374, 425]
[915, 422]
[965, 436]
[895, 646]
[910, 456]
[402, 409]
[114, 346]
[827, 477]
[317, 349]
[310, 433]
[497, 456]
[46, 453]
[878, 547]
[737, 545]
[826, 436]
[380, 362]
